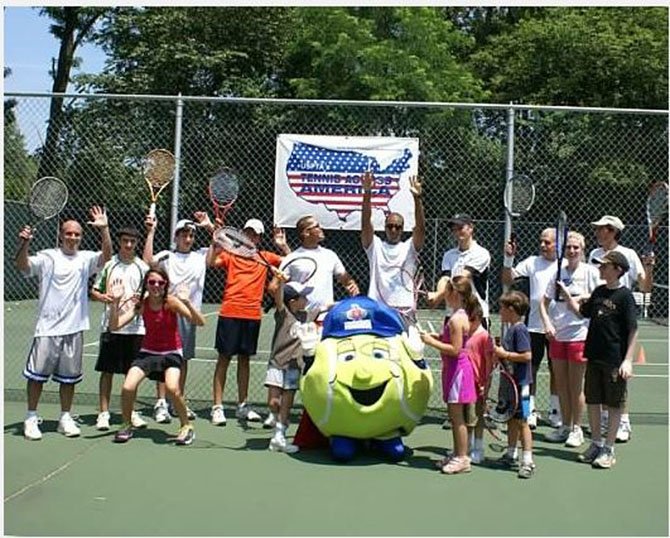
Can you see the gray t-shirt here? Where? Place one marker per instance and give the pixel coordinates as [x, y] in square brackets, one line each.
[285, 343]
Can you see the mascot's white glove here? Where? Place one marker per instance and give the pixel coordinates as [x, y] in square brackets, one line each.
[309, 335]
[414, 340]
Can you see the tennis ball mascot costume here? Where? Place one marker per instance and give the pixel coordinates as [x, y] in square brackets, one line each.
[368, 380]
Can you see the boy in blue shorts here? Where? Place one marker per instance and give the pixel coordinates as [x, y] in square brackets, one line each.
[515, 353]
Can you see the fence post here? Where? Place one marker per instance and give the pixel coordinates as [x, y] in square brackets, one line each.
[510, 166]
[174, 213]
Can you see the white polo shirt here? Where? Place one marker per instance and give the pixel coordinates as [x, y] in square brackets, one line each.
[477, 260]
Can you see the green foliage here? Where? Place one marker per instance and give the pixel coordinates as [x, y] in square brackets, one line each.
[378, 54]
[609, 57]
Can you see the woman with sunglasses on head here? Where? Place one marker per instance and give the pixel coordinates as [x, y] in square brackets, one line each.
[566, 331]
[160, 357]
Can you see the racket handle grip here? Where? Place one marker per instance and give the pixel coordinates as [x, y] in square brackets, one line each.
[152, 210]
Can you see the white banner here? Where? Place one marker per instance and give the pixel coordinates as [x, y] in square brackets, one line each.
[321, 176]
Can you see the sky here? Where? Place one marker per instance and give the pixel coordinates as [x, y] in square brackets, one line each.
[29, 47]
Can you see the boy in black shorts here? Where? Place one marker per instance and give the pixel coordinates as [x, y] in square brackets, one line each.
[609, 349]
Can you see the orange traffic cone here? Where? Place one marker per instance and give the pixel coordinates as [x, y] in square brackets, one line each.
[641, 358]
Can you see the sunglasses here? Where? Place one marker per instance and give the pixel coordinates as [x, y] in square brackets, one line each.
[155, 282]
[394, 226]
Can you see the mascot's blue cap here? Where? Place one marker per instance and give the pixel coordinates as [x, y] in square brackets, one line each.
[361, 315]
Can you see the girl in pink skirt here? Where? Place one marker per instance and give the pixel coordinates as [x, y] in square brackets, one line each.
[458, 378]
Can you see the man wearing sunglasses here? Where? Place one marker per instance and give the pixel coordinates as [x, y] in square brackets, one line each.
[389, 257]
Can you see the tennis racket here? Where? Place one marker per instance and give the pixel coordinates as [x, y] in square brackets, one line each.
[223, 189]
[502, 396]
[131, 275]
[158, 170]
[561, 240]
[48, 196]
[657, 210]
[518, 198]
[237, 243]
[402, 289]
[299, 269]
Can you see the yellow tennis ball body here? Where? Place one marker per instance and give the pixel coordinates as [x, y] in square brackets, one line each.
[365, 387]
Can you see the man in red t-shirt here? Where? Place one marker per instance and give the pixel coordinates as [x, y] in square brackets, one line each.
[240, 317]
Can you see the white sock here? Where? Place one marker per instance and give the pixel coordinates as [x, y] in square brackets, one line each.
[512, 452]
[555, 406]
[471, 441]
[527, 456]
[625, 417]
[280, 429]
[479, 444]
[64, 414]
[31, 414]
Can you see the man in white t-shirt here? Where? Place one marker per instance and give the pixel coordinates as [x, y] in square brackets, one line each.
[62, 315]
[538, 270]
[328, 265]
[467, 258]
[392, 261]
[608, 231]
[185, 267]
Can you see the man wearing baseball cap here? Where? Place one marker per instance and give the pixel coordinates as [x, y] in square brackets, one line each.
[467, 258]
[608, 231]
[240, 314]
[185, 267]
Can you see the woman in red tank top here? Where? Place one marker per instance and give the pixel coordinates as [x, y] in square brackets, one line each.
[160, 357]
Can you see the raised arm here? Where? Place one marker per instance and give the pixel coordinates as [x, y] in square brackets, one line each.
[367, 231]
[349, 284]
[507, 275]
[279, 240]
[118, 319]
[419, 233]
[181, 304]
[150, 227]
[21, 260]
[99, 221]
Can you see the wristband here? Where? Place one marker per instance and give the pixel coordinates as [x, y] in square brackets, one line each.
[508, 261]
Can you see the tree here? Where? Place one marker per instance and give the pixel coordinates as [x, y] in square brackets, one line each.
[72, 26]
[607, 57]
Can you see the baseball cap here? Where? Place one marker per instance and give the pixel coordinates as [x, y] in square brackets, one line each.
[459, 219]
[609, 220]
[361, 315]
[615, 258]
[256, 225]
[293, 290]
[184, 224]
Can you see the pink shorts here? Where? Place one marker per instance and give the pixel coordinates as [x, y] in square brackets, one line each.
[566, 351]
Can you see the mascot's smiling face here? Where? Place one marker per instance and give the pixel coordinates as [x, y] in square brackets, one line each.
[366, 380]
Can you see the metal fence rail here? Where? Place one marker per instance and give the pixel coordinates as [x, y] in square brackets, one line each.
[588, 162]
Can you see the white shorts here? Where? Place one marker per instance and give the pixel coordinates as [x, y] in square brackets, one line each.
[56, 356]
[286, 379]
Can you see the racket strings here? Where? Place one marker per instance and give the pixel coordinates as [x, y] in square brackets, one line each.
[48, 198]
[224, 189]
[159, 168]
[519, 194]
[657, 205]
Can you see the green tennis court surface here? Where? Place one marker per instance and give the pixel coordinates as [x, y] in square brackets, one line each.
[228, 483]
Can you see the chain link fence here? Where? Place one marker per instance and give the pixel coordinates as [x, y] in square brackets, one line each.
[586, 162]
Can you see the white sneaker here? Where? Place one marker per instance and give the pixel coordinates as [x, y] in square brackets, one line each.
[280, 444]
[270, 422]
[623, 432]
[161, 413]
[31, 428]
[555, 419]
[68, 427]
[102, 422]
[218, 416]
[244, 412]
[576, 437]
[477, 456]
[559, 435]
[190, 414]
[137, 421]
[532, 419]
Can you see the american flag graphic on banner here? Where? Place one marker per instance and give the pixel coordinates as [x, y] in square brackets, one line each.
[332, 177]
